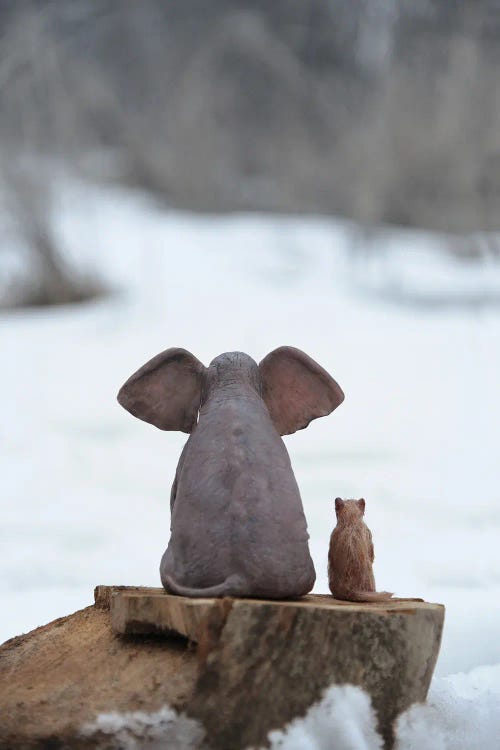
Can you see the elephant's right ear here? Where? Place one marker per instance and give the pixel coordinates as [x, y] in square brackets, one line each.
[166, 391]
[296, 389]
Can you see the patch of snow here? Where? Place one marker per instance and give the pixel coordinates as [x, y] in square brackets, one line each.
[139, 730]
[462, 713]
[343, 719]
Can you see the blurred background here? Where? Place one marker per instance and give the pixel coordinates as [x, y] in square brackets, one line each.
[240, 175]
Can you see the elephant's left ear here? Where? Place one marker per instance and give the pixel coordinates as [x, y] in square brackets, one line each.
[166, 391]
[296, 389]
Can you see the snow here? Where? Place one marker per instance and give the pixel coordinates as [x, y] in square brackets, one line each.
[461, 713]
[344, 713]
[83, 483]
[138, 730]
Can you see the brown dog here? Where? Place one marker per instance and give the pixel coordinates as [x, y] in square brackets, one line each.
[350, 555]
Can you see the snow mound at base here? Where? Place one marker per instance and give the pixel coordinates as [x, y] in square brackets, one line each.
[343, 719]
[138, 730]
[462, 713]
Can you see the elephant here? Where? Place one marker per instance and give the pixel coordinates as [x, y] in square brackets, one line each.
[237, 523]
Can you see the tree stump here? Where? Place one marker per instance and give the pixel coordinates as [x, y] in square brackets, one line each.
[256, 666]
[264, 663]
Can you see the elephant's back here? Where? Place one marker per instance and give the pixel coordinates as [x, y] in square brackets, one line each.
[236, 454]
[238, 506]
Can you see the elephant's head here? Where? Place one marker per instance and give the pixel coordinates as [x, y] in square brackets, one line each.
[169, 390]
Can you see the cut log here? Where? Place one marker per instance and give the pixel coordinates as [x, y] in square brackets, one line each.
[257, 664]
[265, 663]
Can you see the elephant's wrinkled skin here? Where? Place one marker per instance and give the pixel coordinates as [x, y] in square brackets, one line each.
[237, 523]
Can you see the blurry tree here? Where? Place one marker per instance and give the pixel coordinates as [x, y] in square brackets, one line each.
[46, 277]
[380, 110]
[36, 108]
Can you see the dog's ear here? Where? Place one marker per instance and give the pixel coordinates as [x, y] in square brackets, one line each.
[339, 504]
[166, 391]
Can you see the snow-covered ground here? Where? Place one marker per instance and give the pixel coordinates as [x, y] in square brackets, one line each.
[85, 486]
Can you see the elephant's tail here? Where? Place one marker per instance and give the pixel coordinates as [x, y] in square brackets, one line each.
[234, 585]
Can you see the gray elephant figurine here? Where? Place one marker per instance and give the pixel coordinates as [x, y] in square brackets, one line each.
[237, 522]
